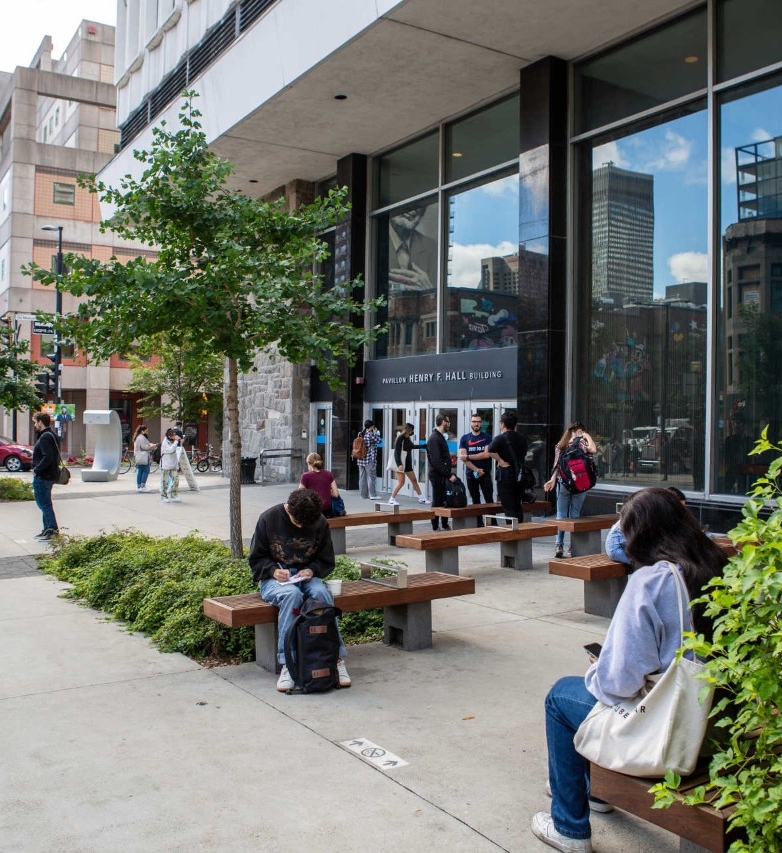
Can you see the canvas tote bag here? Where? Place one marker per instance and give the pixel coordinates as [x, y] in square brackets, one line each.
[662, 728]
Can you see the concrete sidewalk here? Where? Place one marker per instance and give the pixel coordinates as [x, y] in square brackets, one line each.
[109, 745]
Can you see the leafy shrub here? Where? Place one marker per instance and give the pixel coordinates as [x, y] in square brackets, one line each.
[158, 586]
[12, 489]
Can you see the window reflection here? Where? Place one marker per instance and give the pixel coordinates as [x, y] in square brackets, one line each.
[407, 277]
[485, 266]
[750, 325]
[642, 371]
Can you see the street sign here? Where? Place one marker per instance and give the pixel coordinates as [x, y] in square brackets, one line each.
[25, 317]
[42, 328]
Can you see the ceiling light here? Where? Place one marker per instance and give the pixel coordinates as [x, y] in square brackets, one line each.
[340, 97]
[253, 180]
[690, 59]
[457, 154]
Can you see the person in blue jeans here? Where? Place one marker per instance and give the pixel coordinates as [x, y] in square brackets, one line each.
[46, 469]
[290, 554]
[568, 505]
[642, 639]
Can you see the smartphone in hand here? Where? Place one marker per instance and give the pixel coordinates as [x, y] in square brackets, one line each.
[593, 650]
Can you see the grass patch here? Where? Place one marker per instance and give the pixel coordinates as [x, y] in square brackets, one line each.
[12, 489]
[157, 586]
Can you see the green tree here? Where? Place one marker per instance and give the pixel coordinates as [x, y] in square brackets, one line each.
[16, 372]
[233, 272]
[176, 385]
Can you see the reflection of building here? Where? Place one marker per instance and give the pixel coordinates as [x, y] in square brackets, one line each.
[500, 274]
[759, 179]
[622, 234]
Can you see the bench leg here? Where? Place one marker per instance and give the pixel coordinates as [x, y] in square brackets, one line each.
[516, 555]
[601, 597]
[399, 528]
[467, 523]
[582, 544]
[338, 540]
[446, 561]
[408, 626]
[266, 646]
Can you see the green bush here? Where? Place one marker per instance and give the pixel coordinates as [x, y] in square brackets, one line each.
[158, 586]
[12, 489]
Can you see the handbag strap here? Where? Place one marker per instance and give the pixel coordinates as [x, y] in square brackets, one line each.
[681, 596]
[513, 453]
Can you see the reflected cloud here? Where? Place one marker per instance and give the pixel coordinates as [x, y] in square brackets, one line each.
[609, 153]
[509, 185]
[465, 263]
[689, 266]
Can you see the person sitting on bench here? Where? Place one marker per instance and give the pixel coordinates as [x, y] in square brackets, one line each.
[293, 541]
[642, 639]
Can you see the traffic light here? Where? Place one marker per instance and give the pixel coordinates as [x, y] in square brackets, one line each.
[46, 381]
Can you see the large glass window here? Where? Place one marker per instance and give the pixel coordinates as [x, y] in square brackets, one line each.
[749, 329]
[408, 171]
[747, 36]
[641, 365]
[655, 68]
[483, 266]
[406, 274]
[482, 140]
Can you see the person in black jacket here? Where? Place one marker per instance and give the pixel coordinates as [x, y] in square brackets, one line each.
[509, 449]
[46, 470]
[439, 457]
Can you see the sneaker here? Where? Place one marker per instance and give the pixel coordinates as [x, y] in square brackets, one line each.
[40, 535]
[342, 672]
[393, 502]
[165, 500]
[543, 828]
[285, 682]
[559, 553]
[595, 804]
[422, 500]
[176, 500]
[445, 527]
[47, 535]
[374, 498]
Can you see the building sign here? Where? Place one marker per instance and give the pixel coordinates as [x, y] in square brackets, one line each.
[42, 328]
[483, 374]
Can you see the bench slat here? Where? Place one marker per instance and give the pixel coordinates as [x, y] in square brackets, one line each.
[474, 536]
[591, 567]
[357, 519]
[238, 611]
[587, 523]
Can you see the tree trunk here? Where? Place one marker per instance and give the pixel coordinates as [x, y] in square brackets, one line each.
[235, 469]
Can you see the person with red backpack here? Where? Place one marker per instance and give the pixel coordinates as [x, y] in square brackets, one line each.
[573, 475]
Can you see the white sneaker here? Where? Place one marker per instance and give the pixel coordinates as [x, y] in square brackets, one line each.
[393, 502]
[543, 828]
[165, 500]
[422, 499]
[285, 682]
[176, 500]
[374, 498]
[342, 672]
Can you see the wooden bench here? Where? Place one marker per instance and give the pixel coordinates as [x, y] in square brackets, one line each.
[399, 520]
[466, 517]
[701, 828]
[442, 548]
[585, 532]
[407, 612]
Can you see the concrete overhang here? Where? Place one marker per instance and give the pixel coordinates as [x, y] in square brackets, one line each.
[403, 70]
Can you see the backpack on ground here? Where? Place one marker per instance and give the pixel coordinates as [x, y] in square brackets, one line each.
[312, 647]
[455, 493]
[155, 454]
[577, 468]
[359, 449]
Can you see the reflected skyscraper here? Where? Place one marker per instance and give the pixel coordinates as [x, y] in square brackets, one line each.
[622, 234]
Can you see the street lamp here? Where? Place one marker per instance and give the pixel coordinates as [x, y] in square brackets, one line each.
[57, 311]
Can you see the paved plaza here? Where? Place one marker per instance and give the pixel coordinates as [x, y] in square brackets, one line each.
[109, 745]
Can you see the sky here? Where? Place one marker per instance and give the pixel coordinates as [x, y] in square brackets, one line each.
[26, 22]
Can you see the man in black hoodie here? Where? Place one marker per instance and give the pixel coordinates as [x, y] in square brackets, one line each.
[46, 469]
[439, 466]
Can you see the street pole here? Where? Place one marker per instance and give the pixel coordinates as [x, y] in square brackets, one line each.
[57, 312]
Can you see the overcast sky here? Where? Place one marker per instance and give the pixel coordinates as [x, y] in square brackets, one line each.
[26, 22]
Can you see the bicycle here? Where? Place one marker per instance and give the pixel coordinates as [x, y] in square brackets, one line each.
[207, 459]
[128, 461]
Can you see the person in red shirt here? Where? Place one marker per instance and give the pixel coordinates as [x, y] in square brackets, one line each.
[321, 482]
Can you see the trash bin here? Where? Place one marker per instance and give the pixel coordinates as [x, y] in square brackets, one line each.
[248, 470]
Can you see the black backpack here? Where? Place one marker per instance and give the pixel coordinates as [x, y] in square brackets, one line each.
[155, 454]
[312, 647]
[577, 468]
[455, 493]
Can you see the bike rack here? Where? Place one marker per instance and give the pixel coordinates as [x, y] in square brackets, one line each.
[278, 453]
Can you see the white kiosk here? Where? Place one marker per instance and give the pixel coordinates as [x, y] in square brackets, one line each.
[108, 446]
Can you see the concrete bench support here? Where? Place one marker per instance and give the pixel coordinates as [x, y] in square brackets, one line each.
[408, 626]
[446, 561]
[516, 555]
[601, 597]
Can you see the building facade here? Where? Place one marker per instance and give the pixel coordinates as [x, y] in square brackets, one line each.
[539, 193]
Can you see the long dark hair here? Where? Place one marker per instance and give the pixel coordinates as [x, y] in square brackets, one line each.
[657, 527]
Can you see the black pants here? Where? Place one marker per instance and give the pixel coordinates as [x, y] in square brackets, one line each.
[509, 494]
[480, 485]
[437, 482]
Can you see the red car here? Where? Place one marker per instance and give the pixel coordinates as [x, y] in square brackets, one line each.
[15, 457]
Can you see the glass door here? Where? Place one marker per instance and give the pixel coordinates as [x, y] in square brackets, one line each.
[320, 432]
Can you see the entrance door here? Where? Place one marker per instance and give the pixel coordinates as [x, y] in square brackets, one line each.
[320, 430]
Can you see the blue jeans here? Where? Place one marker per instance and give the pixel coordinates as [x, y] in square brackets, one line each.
[567, 705]
[142, 472]
[568, 506]
[42, 490]
[289, 598]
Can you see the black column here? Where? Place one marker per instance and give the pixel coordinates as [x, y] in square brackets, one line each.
[543, 194]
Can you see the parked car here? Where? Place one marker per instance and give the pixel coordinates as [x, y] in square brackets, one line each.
[15, 457]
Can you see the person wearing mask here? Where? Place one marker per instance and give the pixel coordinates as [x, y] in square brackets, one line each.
[321, 482]
[367, 467]
[169, 468]
[474, 453]
[46, 469]
[439, 456]
[642, 640]
[509, 449]
[141, 448]
[568, 505]
[401, 465]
